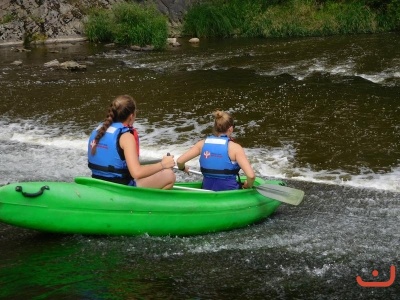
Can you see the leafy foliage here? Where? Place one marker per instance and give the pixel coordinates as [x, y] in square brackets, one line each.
[7, 18]
[99, 26]
[280, 18]
[128, 24]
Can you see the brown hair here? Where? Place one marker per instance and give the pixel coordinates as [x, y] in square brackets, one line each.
[223, 121]
[119, 110]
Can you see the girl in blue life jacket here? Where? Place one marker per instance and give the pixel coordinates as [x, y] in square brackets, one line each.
[220, 157]
[113, 151]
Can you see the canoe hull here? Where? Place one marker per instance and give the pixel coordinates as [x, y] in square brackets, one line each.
[90, 206]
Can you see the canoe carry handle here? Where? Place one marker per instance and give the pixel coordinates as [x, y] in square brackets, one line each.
[32, 195]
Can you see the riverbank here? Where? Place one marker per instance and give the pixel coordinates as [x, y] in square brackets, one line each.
[48, 41]
[31, 22]
[291, 18]
[25, 22]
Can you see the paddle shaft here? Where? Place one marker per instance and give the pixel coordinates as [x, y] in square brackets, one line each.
[190, 189]
[277, 192]
[150, 162]
[190, 171]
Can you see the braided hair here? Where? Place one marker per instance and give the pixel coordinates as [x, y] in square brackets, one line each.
[119, 110]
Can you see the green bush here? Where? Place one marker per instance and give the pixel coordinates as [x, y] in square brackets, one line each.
[128, 24]
[296, 18]
[282, 18]
[309, 18]
[221, 18]
[393, 15]
[140, 25]
[353, 17]
[99, 26]
[7, 18]
[207, 20]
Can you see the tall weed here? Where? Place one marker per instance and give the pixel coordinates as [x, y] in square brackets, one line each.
[282, 18]
[392, 15]
[207, 20]
[99, 26]
[140, 25]
[221, 18]
[128, 24]
[353, 17]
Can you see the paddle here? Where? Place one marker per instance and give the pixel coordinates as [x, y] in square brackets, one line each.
[190, 189]
[149, 162]
[274, 191]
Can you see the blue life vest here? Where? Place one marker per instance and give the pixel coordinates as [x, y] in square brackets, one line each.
[215, 161]
[109, 162]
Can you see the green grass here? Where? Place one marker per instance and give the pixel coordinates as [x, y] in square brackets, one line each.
[391, 19]
[306, 18]
[7, 19]
[128, 24]
[135, 24]
[286, 18]
[220, 18]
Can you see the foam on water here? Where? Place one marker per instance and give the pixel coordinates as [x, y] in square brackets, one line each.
[303, 69]
[31, 151]
[300, 69]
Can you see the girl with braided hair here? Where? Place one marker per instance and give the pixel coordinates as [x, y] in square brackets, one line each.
[113, 151]
[220, 157]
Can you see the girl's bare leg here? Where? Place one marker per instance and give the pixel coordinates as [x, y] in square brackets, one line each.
[164, 179]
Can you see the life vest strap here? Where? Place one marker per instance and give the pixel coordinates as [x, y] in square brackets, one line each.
[219, 172]
[124, 172]
[121, 180]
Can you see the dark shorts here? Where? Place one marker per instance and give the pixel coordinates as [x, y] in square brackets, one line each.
[220, 184]
[124, 181]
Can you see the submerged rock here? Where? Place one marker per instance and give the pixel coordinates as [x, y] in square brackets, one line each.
[67, 65]
[72, 65]
[145, 48]
[17, 62]
[194, 40]
[52, 64]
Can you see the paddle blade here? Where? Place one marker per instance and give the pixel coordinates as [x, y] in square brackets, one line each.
[281, 193]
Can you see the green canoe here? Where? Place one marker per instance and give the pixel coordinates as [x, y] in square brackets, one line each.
[91, 206]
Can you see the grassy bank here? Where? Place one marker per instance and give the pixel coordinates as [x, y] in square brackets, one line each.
[128, 24]
[284, 18]
[134, 24]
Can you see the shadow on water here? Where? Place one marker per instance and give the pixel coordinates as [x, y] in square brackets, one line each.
[311, 251]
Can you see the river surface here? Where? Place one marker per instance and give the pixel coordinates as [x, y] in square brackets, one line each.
[320, 113]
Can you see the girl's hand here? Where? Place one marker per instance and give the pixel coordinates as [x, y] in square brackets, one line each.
[168, 161]
[186, 170]
[246, 185]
